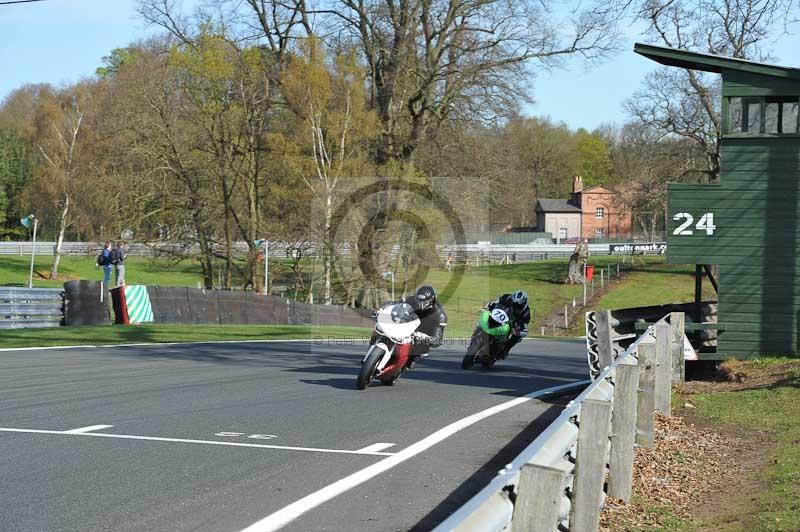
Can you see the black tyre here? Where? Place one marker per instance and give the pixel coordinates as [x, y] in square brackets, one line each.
[475, 346]
[367, 372]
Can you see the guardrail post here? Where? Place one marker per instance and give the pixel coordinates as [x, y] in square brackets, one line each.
[590, 465]
[677, 321]
[663, 368]
[539, 498]
[605, 341]
[645, 401]
[623, 429]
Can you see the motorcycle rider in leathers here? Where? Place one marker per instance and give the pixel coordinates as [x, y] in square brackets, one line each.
[430, 333]
[520, 316]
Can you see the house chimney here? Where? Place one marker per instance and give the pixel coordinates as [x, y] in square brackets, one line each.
[577, 184]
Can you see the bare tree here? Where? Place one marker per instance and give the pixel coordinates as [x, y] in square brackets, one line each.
[649, 160]
[683, 103]
[434, 62]
[428, 62]
[59, 124]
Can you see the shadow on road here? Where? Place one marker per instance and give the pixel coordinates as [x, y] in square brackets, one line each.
[337, 367]
[513, 379]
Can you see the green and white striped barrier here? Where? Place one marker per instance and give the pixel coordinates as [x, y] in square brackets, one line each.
[138, 302]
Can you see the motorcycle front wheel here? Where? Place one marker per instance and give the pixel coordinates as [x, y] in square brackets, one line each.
[475, 346]
[367, 372]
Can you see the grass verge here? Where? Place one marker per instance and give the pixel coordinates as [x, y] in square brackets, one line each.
[652, 283]
[728, 460]
[138, 270]
[765, 398]
[121, 334]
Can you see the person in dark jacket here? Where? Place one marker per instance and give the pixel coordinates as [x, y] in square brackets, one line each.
[104, 261]
[118, 260]
[430, 333]
[520, 315]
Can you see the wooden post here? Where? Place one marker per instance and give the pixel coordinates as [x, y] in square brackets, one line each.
[590, 465]
[698, 293]
[663, 388]
[602, 283]
[539, 498]
[605, 339]
[623, 430]
[676, 320]
[645, 402]
[566, 317]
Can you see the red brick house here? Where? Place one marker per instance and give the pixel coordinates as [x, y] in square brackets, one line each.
[598, 211]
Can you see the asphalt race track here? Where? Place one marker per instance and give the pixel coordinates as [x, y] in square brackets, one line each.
[219, 437]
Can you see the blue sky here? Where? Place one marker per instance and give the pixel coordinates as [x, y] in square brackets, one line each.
[60, 41]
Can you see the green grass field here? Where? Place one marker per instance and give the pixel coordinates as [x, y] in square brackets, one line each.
[542, 281]
[119, 334]
[650, 283]
[138, 270]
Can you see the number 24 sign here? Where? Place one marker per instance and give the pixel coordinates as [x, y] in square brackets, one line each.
[706, 223]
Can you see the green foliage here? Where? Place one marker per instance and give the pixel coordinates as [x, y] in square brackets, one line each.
[593, 158]
[115, 60]
[16, 165]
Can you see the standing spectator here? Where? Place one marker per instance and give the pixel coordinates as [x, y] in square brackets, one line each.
[118, 260]
[104, 261]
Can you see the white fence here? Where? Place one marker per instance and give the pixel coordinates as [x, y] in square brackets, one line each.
[558, 482]
[487, 252]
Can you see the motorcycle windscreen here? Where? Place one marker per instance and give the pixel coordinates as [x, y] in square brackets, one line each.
[398, 320]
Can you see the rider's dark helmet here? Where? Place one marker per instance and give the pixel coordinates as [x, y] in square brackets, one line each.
[425, 297]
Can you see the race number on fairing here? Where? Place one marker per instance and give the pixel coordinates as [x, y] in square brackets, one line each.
[706, 223]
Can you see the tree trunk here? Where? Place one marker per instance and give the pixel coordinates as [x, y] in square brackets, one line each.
[575, 270]
[62, 228]
[327, 258]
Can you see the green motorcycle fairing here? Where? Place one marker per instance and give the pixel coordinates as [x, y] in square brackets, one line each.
[483, 322]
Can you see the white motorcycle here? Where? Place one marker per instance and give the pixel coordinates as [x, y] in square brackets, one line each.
[395, 330]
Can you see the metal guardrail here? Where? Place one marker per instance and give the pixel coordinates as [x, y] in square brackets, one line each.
[557, 482]
[23, 308]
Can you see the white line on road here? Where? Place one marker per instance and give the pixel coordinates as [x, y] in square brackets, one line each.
[377, 447]
[202, 442]
[84, 430]
[289, 513]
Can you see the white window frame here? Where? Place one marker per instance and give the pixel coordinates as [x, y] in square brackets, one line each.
[600, 232]
[600, 213]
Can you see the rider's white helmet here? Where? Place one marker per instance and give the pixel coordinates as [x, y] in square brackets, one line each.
[519, 298]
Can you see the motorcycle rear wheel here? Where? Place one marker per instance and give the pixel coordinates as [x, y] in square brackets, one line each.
[367, 372]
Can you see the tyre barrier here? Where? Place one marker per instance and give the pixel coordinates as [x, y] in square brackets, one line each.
[85, 303]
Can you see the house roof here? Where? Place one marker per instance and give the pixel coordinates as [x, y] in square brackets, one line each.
[555, 205]
[711, 62]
